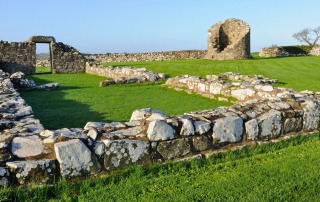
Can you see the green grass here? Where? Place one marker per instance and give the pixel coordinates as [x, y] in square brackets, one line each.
[283, 171]
[299, 73]
[80, 99]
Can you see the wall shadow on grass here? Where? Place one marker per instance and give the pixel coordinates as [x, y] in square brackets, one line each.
[55, 111]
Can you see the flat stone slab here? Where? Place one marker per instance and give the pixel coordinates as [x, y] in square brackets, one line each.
[159, 130]
[228, 129]
[174, 148]
[26, 146]
[76, 159]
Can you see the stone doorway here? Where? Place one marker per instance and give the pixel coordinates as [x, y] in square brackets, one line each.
[43, 58]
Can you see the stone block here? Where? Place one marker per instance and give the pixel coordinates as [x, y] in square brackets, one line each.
[270, 124]
[4, 177]
[201, 143]
[174, 148]
[202, 127]
[159, 130]
[311, 116]
[121, 153]
[292, 125]
[228, 129]
[23, 147]
[76, 159]
[187, 128]
[34, 172]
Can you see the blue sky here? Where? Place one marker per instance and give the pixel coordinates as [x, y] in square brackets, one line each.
[98, 26]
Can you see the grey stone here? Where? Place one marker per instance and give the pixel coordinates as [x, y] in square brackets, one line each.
[228, 129]
[174, 148]
[270, 124]
[51, 139]
[187, 127]
[311, 116]
[141, 114]
[292, 125]
[34, 172]
[252, 128]
[93, 134]
[46, 133]
[4, 175]
[202, 127]
[26, 146]
[121, 153]
[130, 132]
[76, 159]
[159, 130]
[96, 125]
[201, 143]
[26, 111]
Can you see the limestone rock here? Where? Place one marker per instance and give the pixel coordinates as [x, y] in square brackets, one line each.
[292, 125]
[201, 143]
[121, 153]
[202, 127]
[270, 124]
[26, 111]
[4, 175]
[252, 128]
[51, 139]
[46, 133]
[76, 159]
[242, 94]
[311, 116]
[34, 172]
[96, 125]
[228, 129]
[159, 130]
[26, 146]
[130, 132]
[140, 114]
[187, 127]
[93, 134]
[174, 148]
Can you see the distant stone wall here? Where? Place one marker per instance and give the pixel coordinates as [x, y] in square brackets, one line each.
[151, 56]
[16, 57]
[31, 155]
[229, 40]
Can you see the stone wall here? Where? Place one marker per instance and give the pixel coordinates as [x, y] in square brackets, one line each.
[18, 57]
[67, 59]
[30, 155]
[228, 40]
[152, 56]
[122, 74]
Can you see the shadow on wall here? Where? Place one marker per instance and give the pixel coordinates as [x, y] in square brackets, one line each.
[64, 109]
[12, 67]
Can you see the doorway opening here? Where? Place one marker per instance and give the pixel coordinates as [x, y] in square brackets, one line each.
[43, 58]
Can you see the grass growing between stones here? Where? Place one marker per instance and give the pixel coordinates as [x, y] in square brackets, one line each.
[283, 171]
[80, 99]
[299, 73]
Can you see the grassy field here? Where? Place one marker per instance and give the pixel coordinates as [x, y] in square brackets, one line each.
[80, 99]
[283, 171]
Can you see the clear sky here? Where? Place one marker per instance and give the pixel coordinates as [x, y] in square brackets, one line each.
[101, 26]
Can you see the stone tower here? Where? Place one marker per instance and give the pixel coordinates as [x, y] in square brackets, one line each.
[228, 40]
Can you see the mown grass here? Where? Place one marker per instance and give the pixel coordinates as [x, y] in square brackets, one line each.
[80, 99]
[283, 171]
[299, 73]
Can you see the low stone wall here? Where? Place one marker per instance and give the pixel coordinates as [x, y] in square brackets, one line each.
[151, 56]
[284, 51]
[29, 154]
[123, 74]
[18, 57]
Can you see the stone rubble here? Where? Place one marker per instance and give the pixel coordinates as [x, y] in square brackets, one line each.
[30, 154]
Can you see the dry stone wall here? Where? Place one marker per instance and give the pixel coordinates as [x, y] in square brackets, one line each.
[228, 40]
[151, 56]
[16, 57]
[315, 51]
[30, 154]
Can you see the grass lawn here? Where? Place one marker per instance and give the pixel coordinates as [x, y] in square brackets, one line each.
[283, 171]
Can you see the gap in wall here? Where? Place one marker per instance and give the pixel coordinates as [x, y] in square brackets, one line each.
[44, 59]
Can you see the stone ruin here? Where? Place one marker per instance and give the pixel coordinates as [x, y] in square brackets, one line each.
[21, 56]
[228, 40]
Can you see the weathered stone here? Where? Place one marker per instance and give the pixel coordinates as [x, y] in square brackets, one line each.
[46, 133]
[174, 148]
[157, 116]
[76, 159]
[140, 114]
[93, 134]
[159, 130]
[4, 175]
[130, 132]
[99, 148]
[51, 139]
[96, 125]
[201, 143]
[279, 105]
[202, 127]
[270, 124]
[252, 128]
[48, 86]
[121, 153]
[242, 94]
[42, 39]
[26, 146]
[26, 111]
[311, 116]
[187, 127]
[67, 133]
[228, 129]
[34, 172]
[229, 39]
[292, 125]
